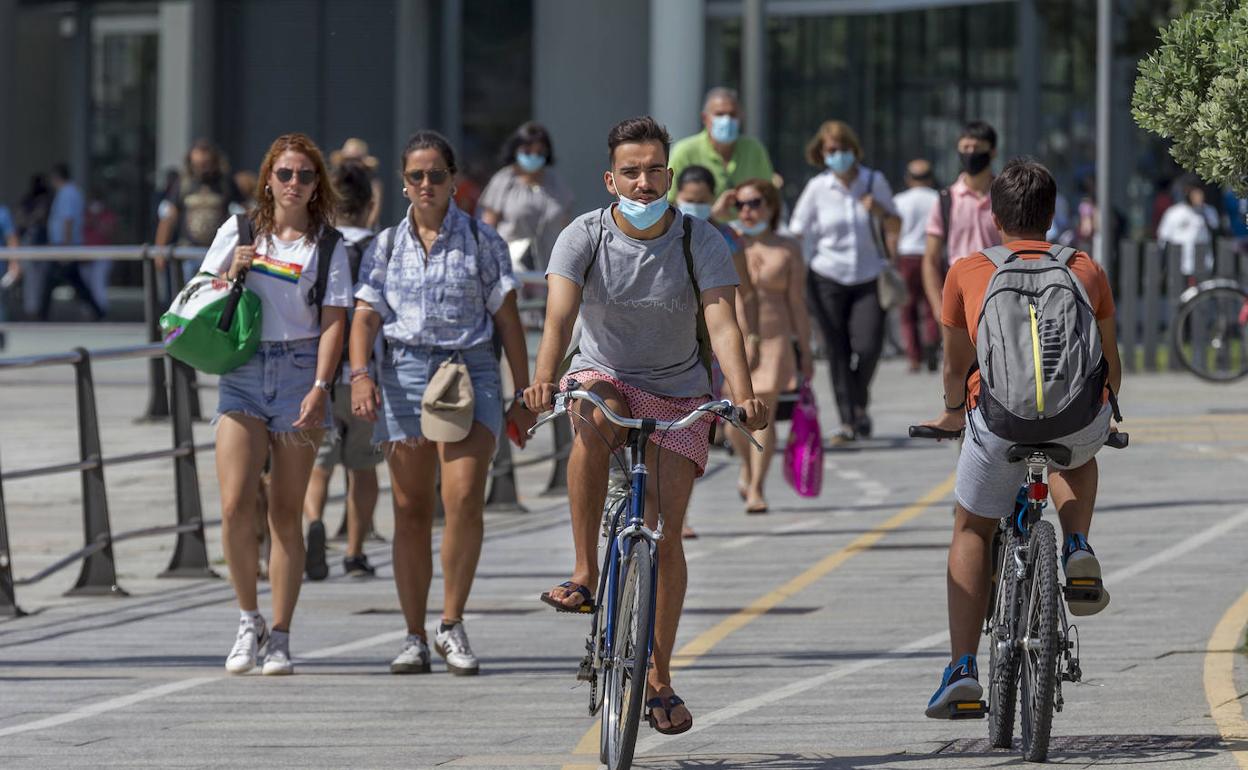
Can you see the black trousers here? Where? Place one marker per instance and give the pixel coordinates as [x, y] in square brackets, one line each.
[853, 330]
[67, 272]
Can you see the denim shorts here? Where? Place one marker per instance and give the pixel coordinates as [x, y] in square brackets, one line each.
[405, 373]
[272, 385]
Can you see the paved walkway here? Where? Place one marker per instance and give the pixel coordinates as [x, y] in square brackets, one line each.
[812, 638]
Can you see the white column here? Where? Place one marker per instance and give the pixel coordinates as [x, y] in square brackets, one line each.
[677, 56]
[754, 68]
[174, 85]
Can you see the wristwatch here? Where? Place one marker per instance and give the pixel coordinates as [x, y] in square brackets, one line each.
[322, 384]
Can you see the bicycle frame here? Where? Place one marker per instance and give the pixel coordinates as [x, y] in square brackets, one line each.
[634, 529]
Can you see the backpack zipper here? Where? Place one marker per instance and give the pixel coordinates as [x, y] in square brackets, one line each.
[1035, 352]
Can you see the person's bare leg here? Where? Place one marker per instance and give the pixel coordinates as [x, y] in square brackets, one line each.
[671, 499]
[1074, 495]
[587, 484]
[293, 455]
[362, 492]
[413, 482]
[242, 445]
[465, 466]
[318, 491]
[967, 579]
[760, 461]
[745, 453]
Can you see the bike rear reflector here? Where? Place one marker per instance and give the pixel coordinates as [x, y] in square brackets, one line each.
[1039, 492]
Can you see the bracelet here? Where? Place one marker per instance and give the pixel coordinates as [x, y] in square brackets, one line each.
[359, 374]
[322, 384]
[957, 408]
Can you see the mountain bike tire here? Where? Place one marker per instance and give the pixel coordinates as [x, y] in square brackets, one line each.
[1209, 335]
[1039, 669]
[1003, 664]
[626, 677]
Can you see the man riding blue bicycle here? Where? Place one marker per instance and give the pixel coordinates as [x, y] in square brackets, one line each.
[635, 272]
[1037, 321]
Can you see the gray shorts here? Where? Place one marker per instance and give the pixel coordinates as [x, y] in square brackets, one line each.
[988, 483]
[350, 441]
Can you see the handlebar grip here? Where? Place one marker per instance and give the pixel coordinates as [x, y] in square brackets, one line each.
[927, 431]
[1118, 440]
[739, 414]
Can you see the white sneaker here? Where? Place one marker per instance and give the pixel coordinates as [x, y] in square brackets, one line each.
[252, 637]
[277, 661]
[453, 646]
[413, 658]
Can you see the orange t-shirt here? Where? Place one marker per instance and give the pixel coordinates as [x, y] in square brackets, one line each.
[968, 281]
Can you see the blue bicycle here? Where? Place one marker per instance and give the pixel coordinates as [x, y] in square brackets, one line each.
[621, 636]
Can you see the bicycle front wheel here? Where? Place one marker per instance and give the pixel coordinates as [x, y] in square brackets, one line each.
[1210, 334]
[1040, 653]
[626, 676]
[1003, 656]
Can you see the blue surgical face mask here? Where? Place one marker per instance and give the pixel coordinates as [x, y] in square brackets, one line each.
[839, 161]
[725, 129]
[529, 162]
[758, 228]
[696, 210]
[643, 215]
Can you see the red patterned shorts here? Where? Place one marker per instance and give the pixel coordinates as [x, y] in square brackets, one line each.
[693, 443]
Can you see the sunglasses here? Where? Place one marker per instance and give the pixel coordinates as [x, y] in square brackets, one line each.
[435, 175]
[305, 176]
[752, 203]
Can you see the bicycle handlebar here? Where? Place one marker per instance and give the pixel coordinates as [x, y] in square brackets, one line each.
[1115, 440]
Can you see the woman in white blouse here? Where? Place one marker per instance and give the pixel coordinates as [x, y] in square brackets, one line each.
[848, 226]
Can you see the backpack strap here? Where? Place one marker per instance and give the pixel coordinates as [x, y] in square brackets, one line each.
[686, 241]
[476, 231]
[593, 257]
[946, 211]
[999, 255]
[325, 246]
[1062, 254]
[243, 223]
[704, 337]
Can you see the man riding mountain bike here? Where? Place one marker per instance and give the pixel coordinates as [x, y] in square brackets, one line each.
[635, 272]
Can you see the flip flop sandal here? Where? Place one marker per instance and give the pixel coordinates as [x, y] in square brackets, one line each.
[586, 606]
[671, 702]
[756, 508]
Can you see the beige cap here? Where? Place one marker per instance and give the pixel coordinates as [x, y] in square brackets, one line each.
[353, 149]
[446, 408]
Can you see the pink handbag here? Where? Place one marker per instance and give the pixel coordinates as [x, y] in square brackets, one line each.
[803, 456]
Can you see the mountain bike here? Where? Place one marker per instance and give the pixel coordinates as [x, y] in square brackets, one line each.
[621, 636]
[1031, 644]
[1210, 330]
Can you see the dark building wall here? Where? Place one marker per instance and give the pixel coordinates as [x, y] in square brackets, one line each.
[41, 113]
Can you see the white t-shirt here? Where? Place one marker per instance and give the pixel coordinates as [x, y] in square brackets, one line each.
[1191, 231]
[835, 228]
[915, 207]
[280, 276]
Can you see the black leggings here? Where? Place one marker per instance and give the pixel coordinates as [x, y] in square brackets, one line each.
[853, 330]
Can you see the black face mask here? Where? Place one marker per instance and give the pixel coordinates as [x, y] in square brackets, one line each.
[975, 162]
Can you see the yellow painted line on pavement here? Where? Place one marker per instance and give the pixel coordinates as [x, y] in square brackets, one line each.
[1224, 704]
[707, 640]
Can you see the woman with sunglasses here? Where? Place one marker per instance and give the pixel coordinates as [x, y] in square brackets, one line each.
[848, 225]
[276, 406]
[439, 286]
[778, 273]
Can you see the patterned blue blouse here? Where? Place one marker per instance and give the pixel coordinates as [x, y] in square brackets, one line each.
[445, 301]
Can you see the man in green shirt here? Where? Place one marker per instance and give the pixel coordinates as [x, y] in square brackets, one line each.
[732, 158]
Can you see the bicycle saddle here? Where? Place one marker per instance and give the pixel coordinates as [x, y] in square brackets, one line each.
[1056, 453]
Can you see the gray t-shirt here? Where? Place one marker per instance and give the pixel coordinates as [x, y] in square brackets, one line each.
[530, 212]
[638, 309]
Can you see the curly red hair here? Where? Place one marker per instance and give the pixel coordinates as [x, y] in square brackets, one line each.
[323, 207]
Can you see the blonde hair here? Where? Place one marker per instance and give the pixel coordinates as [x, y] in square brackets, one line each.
[837, 131]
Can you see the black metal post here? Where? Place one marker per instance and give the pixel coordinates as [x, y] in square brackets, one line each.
[177, 282]
[558, 483]
[8, 597]
[190, 555]
[503, 487]
[158, 394]
[99, 573]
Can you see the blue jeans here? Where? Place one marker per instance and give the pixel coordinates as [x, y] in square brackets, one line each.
[272, 385]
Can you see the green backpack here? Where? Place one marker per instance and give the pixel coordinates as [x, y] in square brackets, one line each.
[703, 334]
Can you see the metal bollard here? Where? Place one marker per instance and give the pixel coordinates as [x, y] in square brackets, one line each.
[99, 573]
[558, 483]
[190, 555]
[158, 392]
[503, 487]
[8, 597]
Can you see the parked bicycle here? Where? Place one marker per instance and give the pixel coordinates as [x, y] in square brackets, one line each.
[1210, 330]
[621, 635]
[1030, 641]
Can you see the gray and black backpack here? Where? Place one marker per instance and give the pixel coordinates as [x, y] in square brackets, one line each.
[1042, 369]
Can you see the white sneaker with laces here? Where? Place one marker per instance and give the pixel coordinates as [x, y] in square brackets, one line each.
[413, 658]
[452, 645]
[277, 662]
[252, 637]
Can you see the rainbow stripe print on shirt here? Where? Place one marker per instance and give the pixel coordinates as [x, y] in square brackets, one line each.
[283, 271]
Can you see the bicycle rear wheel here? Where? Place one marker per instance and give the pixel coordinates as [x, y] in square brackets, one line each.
[1210, 334]
[1003, 656]
[1040, 653]
[626, 675]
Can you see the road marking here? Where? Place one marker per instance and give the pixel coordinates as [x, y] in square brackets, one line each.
[1225, 707]
[707, 640]
[1219, 685]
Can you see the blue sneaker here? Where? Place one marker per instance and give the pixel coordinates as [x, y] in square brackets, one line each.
[960, 682]
[1080, 563]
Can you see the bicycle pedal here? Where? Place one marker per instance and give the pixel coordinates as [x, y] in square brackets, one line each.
[1083, 589]
[585, 671]
[968, 709]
